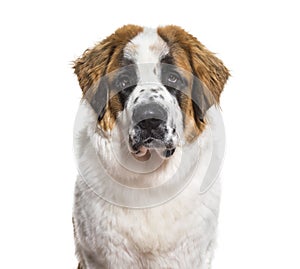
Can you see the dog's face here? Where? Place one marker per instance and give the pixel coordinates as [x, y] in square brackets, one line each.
[153, 85]
[151, 117]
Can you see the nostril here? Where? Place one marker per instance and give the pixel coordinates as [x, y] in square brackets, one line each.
[150, 124]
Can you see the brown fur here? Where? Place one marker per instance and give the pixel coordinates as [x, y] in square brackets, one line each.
[188, 53]
[192, 56]
[203, 63]
[102, 59]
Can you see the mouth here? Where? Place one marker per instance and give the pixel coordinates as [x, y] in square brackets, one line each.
[142, 149]
[142, 154]
[151, 132]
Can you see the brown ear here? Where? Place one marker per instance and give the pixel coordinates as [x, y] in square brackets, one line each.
[104, 57]
[210, 74]
[95, 63]
[204, 64]
[210, 78]
[208, 68]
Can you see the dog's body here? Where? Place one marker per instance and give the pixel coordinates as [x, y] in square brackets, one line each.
[159, 233]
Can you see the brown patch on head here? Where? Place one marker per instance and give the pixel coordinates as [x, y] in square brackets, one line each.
[189, 54]
[102, 59]
[157, 47]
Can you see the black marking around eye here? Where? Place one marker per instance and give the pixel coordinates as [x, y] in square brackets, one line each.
[127, 74]
[162, 97]
[154, 90]
[135, 100]
[124, 94]
[168, 71]
[178, 88]
[167, 59]
[126, 61]
[176, 93]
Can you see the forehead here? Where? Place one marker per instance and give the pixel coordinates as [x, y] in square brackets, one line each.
[146, 47]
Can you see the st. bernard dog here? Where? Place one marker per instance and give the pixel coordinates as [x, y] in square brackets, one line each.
[142, 142]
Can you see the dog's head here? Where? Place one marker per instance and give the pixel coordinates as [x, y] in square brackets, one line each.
[154, 84]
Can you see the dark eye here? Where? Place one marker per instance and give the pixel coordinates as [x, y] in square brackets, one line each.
[173, 78]
[123, 82]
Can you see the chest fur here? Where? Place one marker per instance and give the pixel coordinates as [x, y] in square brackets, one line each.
[152, 230]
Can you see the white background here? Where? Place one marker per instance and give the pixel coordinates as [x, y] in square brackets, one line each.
[257, 40]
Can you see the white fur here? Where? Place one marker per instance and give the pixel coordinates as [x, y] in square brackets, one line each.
[174, 233]
[177, 234]
[146, 50]
[142, 50]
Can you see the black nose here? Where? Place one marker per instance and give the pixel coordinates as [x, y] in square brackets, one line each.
[149, 116]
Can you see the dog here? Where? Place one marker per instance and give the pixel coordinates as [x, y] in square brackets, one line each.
[143, 143]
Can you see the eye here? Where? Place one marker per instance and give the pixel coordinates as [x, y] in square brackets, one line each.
[123, 82]
[173, 78]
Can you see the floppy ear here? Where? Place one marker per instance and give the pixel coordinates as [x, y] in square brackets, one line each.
[202, 100]
[89, 68]
[99, 99]
[98, 61]
[210, 78]
[210, 73]
[93, 64]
